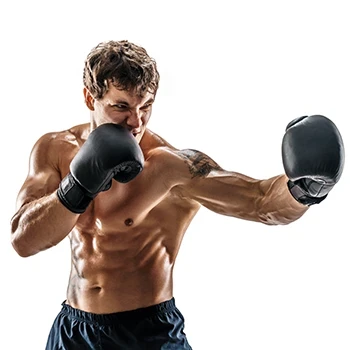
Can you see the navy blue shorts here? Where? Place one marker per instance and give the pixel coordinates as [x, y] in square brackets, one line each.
[158, 327]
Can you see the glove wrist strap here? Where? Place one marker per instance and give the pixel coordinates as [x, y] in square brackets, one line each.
[72, 195]
[302, 196]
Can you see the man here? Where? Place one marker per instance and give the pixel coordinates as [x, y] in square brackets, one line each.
[125, 198]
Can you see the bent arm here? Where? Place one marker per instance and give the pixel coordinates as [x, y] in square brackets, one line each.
[229, 193]
[41, 221]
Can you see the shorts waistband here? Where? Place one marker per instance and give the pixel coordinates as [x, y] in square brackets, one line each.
[104, 319]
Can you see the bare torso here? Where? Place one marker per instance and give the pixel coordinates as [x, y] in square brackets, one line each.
[125, 245]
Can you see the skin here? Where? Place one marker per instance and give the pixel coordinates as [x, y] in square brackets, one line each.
[125, 244]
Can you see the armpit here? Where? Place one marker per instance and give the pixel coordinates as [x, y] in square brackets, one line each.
[199, 164]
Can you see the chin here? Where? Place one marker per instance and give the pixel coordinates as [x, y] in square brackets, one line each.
[139, 136]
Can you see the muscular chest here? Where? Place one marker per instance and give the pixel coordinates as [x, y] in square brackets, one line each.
[128, 205]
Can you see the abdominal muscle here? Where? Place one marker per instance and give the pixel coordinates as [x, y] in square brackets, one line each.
[112, 274]
[124, 268]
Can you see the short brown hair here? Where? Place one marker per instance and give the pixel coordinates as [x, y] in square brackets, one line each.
[126, 65]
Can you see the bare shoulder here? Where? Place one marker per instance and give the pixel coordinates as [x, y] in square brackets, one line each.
[53, 147]
[76, 134]
[54, 139]
[152, 141]
[182, 165]
[199, 164]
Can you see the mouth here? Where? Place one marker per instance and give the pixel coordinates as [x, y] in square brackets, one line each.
[136, 133]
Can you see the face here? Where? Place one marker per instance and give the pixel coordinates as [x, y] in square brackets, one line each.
[121, 107]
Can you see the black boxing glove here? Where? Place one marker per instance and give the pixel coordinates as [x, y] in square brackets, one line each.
[110, 151]
[313, 157]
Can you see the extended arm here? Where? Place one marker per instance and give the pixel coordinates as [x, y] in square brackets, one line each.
[234, 194]
[313, 158]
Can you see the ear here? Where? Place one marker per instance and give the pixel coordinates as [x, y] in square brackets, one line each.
[89, 100]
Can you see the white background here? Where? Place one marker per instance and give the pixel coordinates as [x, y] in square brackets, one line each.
[233, 74]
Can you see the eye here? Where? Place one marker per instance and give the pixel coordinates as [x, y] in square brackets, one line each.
[146, 106]
[120, 106]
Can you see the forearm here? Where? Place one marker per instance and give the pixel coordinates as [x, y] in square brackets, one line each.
[41, 224]
[277, 206]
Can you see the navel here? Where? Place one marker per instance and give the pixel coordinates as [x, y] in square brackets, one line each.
[128, 222]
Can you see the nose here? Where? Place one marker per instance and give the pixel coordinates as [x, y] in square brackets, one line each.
[134, 120]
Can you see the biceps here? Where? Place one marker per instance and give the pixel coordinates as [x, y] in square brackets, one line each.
[37, 186]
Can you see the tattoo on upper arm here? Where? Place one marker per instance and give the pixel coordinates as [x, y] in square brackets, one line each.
[198, 163]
